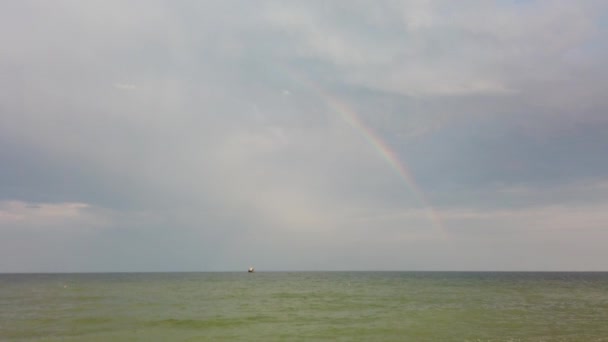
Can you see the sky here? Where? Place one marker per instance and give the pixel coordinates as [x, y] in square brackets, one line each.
[303, 135]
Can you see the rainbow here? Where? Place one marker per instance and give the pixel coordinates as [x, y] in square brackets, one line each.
[350, 116]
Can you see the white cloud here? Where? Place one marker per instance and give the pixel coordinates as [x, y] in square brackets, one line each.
[552, 218]
[55, 216]
[22, 211]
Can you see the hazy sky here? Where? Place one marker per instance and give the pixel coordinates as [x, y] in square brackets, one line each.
[303, 135]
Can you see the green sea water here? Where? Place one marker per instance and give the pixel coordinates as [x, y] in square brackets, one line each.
[272, 306]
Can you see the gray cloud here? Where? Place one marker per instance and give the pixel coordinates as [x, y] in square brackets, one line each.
[202, 132]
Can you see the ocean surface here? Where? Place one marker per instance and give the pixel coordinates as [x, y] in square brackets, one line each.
[311, 306]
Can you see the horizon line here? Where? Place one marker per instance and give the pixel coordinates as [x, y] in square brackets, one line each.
[312, 271]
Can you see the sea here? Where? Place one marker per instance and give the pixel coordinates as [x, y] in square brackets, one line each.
[305, 306]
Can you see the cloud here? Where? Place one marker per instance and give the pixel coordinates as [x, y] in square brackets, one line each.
[203, 130]
[432, 48]
[27, 215]
[124, 86]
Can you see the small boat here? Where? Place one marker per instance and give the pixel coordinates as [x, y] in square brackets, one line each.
[251, 270]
